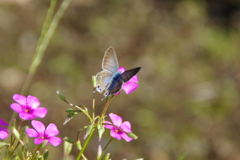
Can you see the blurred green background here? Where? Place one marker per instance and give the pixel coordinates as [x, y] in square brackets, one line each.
[188, 97]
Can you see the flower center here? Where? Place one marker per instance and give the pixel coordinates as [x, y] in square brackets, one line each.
[42, 137]
[26, 110]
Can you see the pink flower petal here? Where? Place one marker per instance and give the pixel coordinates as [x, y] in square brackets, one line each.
[40, 112]
[16, 107]
[125, 137]
[31, 132]
[38, 140]
[129, 87]
[126, 126]
[121, 69]
[20, 99]
[26, 116]
[117, 120]
[3, 133]
[55, 141]
[32, 102]
[39, 126]
[2, 123]
[108, 126]
[134, 79]
[116, 135]
[51, 130]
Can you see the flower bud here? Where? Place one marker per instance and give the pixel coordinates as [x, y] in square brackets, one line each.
[94, 81]
[100, 132]
[88, 131]
[67, 146]
[78, 145]
[132, 135]
[99, 153]
[61, 96]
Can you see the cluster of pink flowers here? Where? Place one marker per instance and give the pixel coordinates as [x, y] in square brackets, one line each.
[3, 131]
[27, 109]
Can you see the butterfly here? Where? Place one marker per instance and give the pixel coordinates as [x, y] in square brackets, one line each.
[109, 79]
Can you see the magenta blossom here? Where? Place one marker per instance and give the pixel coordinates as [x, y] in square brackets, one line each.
[28, 108]
[118, 128]
[42, 134]
[130, 85]
[3, 131]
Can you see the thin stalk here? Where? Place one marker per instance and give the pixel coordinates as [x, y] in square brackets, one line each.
[35, 151]
[85, 144]
[105, 148]
[14, 149]
[21, 122]
[46, 35]
[47, 22]
[23, 150]
[93, 104]
[45, 42]
[106, 107]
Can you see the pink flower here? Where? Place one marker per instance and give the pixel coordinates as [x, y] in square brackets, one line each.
[118, 128]
[3, 131]
[42, 134]
[130, 85]
[28, 108]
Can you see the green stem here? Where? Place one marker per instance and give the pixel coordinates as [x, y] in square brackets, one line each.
[43, 42]
[85, 144]
[85, 112]
[14, 149]
[47, 22]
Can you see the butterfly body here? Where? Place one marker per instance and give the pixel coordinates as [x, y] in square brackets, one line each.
[109, 79]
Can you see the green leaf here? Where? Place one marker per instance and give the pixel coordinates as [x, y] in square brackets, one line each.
[71, 113]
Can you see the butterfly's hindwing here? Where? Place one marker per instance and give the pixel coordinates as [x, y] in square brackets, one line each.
[103, 79]
[127, 75]
[115, 86]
